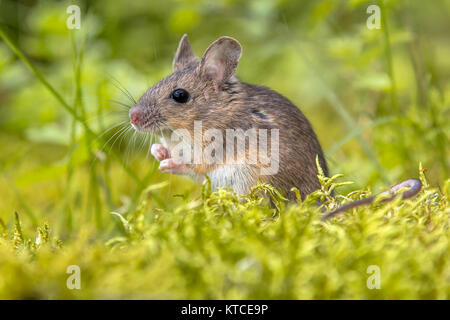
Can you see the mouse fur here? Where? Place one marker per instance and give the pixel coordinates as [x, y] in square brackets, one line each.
[221, 101]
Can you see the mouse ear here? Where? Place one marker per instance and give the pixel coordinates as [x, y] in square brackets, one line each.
[220, 60]
[184, 56]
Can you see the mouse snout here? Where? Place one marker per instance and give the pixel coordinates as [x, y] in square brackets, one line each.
[142, 118]
[135, 115]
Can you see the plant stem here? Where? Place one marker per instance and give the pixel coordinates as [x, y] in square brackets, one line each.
[65, 105]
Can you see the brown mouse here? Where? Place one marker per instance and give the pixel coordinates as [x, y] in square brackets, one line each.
[204, 96]
[207, 91]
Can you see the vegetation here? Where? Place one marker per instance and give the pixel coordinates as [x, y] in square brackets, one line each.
[79, 187]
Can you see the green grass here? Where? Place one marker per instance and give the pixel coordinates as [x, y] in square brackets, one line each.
[219, 247]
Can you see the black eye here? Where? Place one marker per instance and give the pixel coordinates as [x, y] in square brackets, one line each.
[180, 95]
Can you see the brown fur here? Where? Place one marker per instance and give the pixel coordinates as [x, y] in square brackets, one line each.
[220, 100]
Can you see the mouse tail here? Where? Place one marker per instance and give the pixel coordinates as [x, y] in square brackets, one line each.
[413, 185]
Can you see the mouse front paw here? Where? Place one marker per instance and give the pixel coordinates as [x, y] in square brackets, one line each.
[172, 166]
[160, 152]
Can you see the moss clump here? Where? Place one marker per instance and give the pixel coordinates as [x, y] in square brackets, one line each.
[221, 247]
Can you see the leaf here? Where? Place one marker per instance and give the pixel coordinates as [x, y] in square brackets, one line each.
[124, 221]
[18, 235]
[156, 186]
[40, 174]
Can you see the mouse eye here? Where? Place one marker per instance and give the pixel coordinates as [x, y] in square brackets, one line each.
[180, 95]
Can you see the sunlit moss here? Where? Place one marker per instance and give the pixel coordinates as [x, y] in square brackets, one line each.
[221, 247]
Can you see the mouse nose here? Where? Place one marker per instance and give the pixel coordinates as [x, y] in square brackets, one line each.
[135, 115]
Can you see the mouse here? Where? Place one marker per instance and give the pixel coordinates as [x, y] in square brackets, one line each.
[214, 125]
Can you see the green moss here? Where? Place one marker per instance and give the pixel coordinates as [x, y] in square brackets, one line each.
[221, 247]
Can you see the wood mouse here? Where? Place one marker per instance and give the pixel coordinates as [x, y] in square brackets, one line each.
[205, 91]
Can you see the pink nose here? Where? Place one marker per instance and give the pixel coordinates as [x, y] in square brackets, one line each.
[135, 115]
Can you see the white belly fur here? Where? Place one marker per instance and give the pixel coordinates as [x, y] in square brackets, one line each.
[238, 177]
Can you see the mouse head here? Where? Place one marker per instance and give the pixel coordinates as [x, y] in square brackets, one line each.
[195, 91]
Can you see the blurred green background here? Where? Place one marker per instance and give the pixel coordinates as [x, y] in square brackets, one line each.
[377, 99]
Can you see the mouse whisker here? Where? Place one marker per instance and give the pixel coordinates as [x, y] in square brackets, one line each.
[110, 128]
[131, 148]
[149, 136]
[118, 132]
[120, 103]
[119, 86]
[123, 135]
[120, 136]
[117, 113]
[144, 139]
